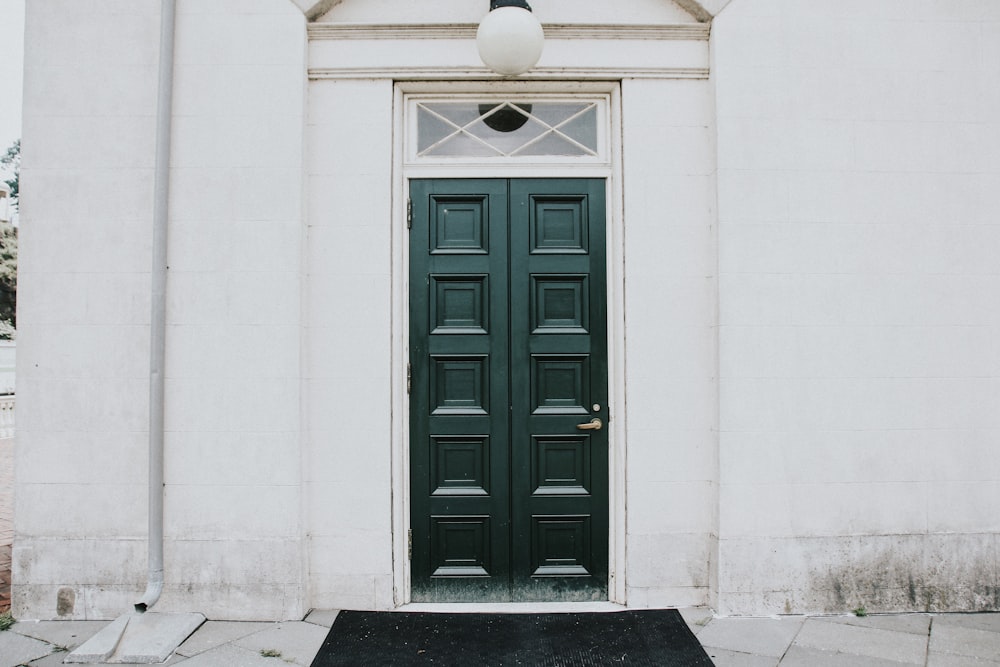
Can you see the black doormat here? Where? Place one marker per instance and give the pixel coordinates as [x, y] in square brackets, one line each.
[648, 637]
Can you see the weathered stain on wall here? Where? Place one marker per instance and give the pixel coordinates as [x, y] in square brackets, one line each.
[65, 601]
[932, 574]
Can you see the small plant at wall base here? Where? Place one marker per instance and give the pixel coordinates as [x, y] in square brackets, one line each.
[860, 612]
[6, 620]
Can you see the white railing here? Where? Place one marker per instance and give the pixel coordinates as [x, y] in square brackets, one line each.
[7, 416]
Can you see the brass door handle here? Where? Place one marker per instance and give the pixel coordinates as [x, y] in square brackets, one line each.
[594, 424]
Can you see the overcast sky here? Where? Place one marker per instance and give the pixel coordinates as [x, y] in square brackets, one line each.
[11, 64]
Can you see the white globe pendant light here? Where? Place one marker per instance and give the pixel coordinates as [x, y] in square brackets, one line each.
[510, 38]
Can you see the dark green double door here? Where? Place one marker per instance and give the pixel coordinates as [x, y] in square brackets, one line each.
[509, 390]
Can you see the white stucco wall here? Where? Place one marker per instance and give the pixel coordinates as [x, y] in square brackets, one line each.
[348, 349]
[670, 380]
[859, 161]
[83, 302]
[810, 347]
[354, 357]
[233, 464]
[233, 422]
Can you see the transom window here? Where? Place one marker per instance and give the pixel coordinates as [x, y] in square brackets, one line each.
[512, 128]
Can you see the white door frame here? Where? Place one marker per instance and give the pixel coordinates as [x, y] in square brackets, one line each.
[611, 170]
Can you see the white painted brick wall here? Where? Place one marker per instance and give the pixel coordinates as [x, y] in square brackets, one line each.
[348, 347]
[233, 416]
[858, 150]
[552, 11]
[812, 351]
[670, 357]
[233, 458]
[84, 265]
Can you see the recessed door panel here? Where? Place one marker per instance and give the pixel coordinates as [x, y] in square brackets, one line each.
[508, 354]
[459, 304]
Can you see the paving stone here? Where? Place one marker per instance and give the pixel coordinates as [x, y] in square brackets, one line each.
[56, 660]
[152, 637]
[51, 660]
[958, 640]
[697, 618]
[298, 642]
[901, 647]
[723, 658]
[918, 624]
[989, 622]
[230, 655]
[60, 633]
[149, 638]
[215, 633]
[802, 656]
[963, 641]
[324, 617]
[102, 645]
[17, 649]
[760, 636]
[949, 660]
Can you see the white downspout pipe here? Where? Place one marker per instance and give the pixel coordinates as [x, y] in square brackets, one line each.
[158, 309]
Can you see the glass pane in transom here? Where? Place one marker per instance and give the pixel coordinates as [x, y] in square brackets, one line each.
[507, 128]
[583, 128]
[465, 145]
[553, 144]
[431, 129]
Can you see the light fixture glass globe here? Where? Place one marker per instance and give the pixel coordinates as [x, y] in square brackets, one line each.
[510, 40]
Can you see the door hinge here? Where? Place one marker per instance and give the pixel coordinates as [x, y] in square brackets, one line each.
[409, 213]
[409, 377]
[409, 544]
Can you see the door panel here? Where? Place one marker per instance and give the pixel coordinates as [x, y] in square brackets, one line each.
[459, 401]
[559, 489]
[508, 353]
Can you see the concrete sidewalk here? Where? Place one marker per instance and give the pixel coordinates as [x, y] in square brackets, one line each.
[928, 640]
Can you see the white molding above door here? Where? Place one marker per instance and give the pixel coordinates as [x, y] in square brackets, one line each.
[701, 10]
[438, 51]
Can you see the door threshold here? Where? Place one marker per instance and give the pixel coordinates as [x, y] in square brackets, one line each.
[511, 607]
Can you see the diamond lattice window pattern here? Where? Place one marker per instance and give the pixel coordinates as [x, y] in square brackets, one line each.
[507, 129]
